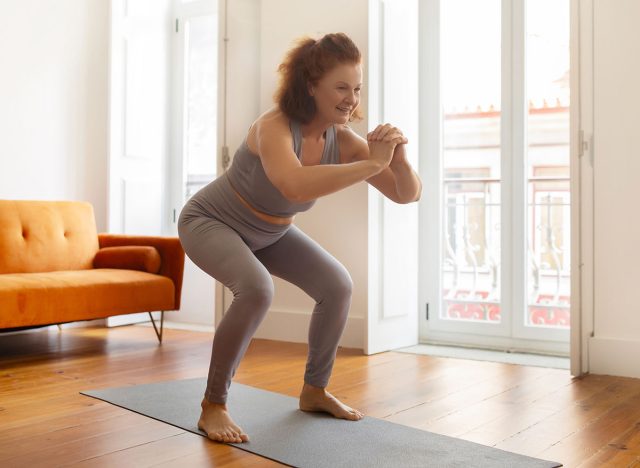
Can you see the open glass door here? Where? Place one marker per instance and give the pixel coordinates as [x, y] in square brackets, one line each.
[195, 133]
[501, 216]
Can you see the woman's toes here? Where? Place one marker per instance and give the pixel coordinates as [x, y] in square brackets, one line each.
[242, 436]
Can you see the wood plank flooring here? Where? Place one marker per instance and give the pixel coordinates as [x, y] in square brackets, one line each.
[593, 421]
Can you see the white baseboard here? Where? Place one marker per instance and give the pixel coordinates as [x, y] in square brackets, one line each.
[612, 356]
[140, 317]
[294, 327]
[173, 325]
[128, 319]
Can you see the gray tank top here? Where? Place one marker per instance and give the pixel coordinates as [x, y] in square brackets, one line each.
[247, 175]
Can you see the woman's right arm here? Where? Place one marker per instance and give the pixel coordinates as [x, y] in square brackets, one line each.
[300, 183]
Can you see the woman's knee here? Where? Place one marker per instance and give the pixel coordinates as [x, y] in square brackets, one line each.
[258, 292]
[339, 286]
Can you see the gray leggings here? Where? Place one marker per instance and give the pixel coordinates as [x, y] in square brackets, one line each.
[228, 242]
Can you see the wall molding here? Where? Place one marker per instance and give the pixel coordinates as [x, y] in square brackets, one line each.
[279, 325]
[612, 356]
[294, 327]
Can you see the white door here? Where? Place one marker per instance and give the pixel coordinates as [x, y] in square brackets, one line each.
[138, 121]
[194, 117]
[614, 344]
[164, 117]
[392, 320]
[496, 222]
[138, 108]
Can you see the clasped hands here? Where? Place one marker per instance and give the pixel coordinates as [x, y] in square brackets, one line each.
[386, 145]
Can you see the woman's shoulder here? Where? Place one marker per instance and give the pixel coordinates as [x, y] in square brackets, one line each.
[344, 131]
[273, 120]
[272, 125]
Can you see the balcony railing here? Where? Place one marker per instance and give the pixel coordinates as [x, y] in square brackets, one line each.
[471, 263]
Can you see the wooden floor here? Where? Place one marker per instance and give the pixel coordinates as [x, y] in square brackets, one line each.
[44, 421]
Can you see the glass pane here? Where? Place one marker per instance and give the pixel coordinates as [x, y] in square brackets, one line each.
[548, 194]
[471, 63]
[201, 90]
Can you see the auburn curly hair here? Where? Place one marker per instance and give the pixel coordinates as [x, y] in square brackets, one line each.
[306, 63]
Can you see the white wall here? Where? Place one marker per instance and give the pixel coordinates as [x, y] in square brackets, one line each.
[614, 347]
[339, 221]
[53, 95]
[243, 69]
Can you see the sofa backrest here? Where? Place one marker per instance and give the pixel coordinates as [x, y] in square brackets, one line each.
[40, 236]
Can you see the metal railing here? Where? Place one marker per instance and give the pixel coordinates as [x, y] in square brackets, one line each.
[472, 244]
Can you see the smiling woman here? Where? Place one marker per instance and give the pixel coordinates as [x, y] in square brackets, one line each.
[239, 228]
[313, 61]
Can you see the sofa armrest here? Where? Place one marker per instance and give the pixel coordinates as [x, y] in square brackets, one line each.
[170, 250]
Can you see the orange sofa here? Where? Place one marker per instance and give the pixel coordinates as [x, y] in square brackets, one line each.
[55, 267]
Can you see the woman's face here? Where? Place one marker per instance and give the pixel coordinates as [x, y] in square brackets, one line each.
[337, 93]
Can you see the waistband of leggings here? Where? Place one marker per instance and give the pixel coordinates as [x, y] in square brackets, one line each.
[220, 201]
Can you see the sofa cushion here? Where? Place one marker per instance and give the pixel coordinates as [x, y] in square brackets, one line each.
[129, 257]
[65, 296]
[169, 248]
[41, 236]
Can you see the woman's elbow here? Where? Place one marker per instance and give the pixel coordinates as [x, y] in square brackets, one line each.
[292, 193]
[417, 196]
[405, 200]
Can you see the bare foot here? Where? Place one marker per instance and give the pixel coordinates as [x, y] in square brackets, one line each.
[318, 399]
[218, 425]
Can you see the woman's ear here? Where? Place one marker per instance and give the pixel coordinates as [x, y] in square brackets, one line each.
[310, 89]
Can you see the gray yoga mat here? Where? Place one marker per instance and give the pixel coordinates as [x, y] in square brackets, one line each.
[280, 431]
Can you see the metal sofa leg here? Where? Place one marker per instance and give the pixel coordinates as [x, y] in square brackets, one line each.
[158, 333]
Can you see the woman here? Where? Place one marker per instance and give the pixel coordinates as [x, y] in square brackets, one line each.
[239, 228]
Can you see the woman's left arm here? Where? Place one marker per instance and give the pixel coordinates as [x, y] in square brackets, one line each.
[407, 183]
[398, 182]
